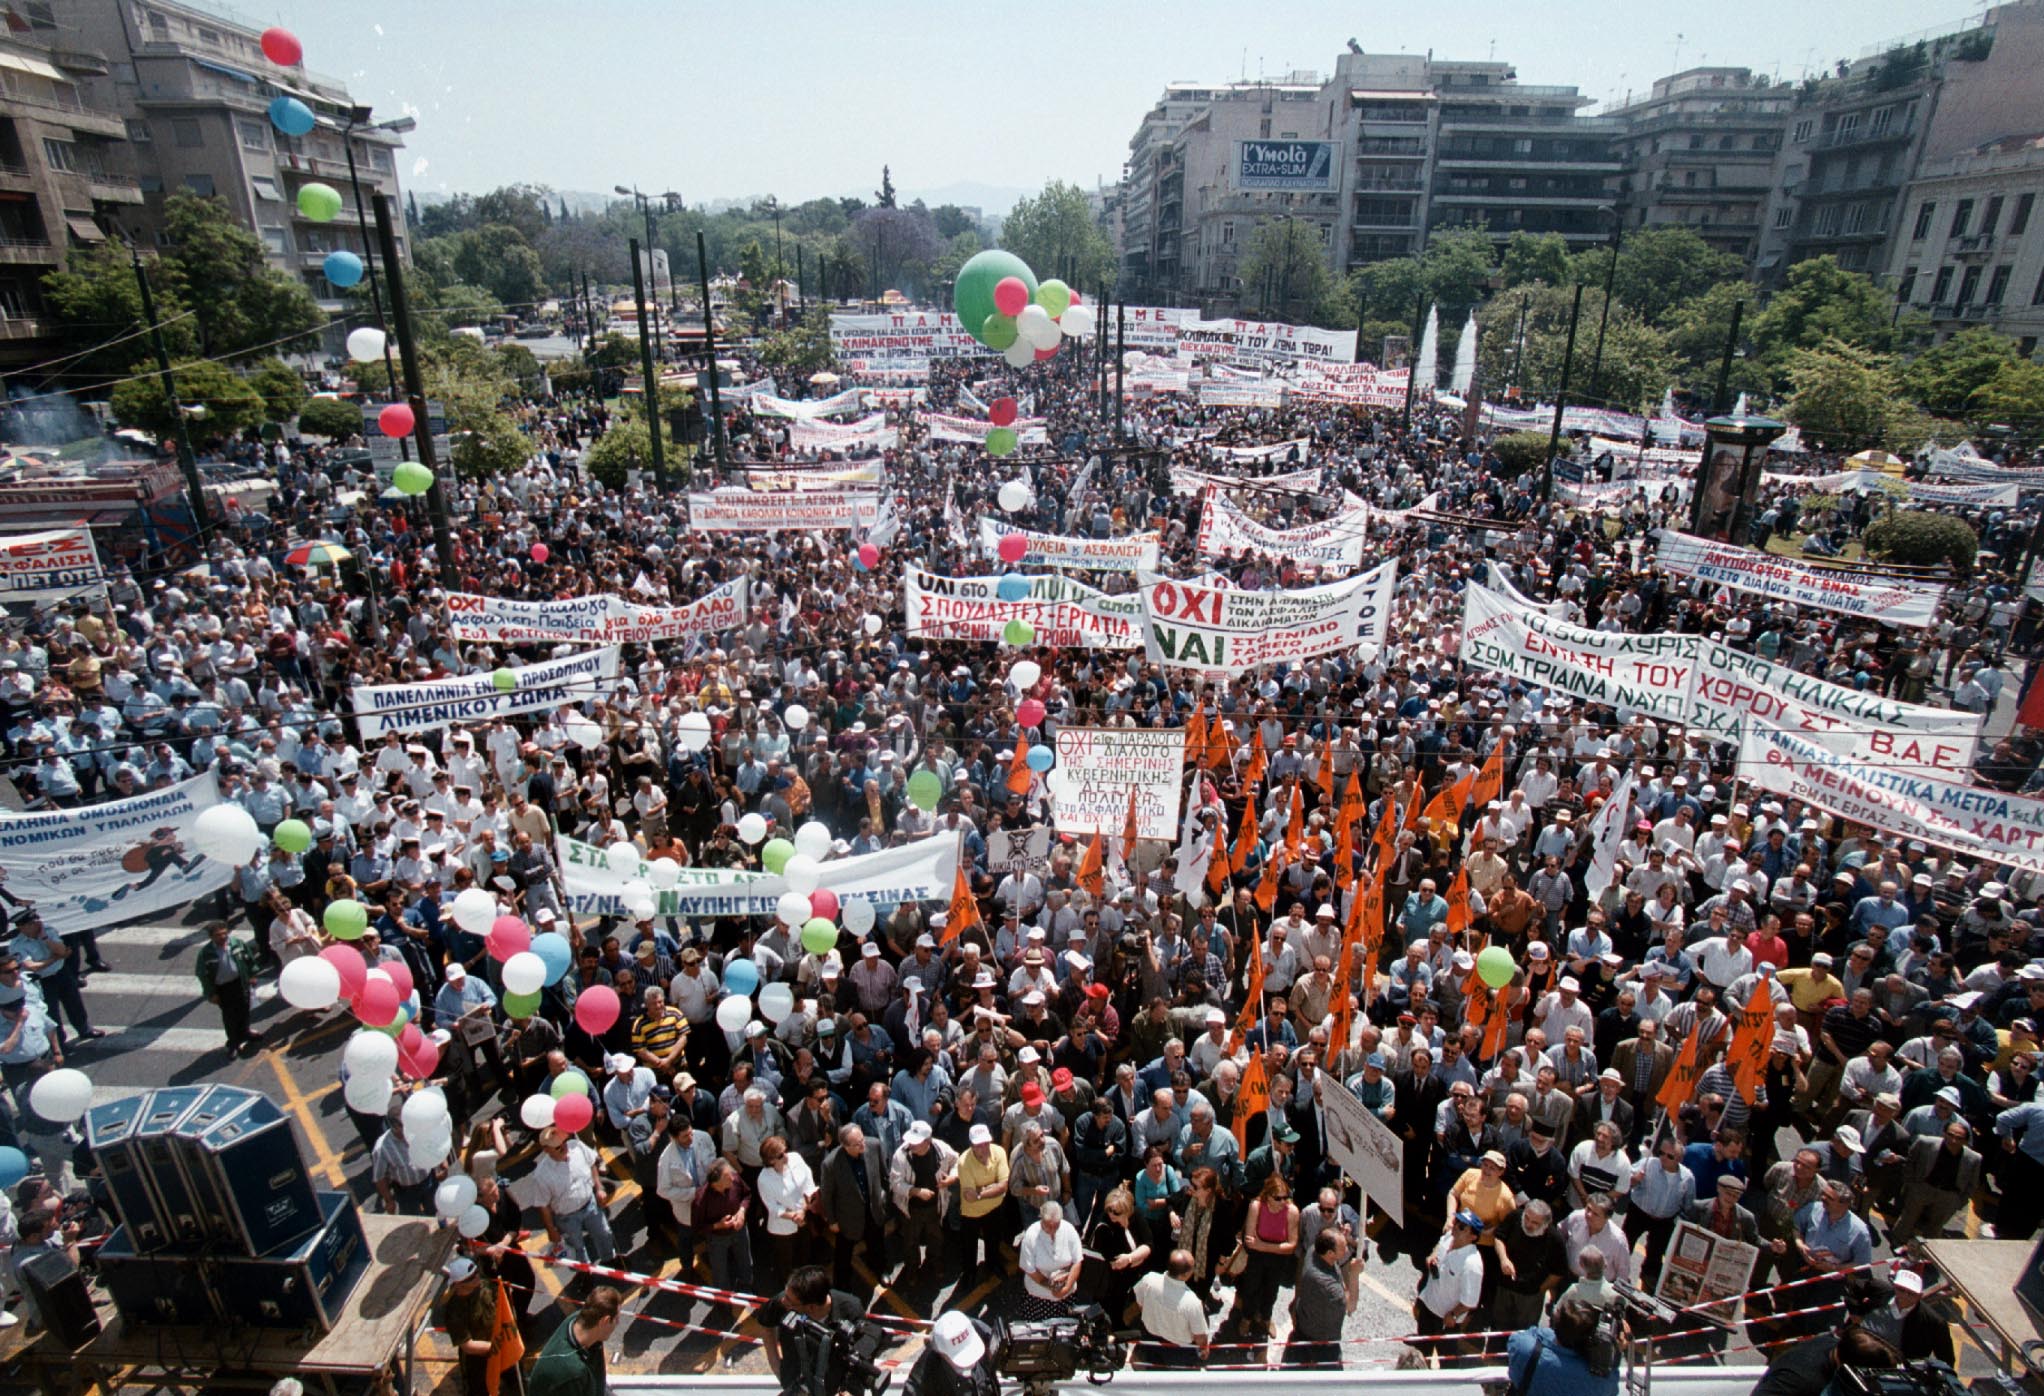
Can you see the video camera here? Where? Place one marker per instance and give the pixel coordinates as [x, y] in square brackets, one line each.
[843, 1356]
[1042, 1352]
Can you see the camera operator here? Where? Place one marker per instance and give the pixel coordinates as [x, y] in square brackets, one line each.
[792, 1357]
[1806, 1368]
[958, 1360]
[1557, 1360]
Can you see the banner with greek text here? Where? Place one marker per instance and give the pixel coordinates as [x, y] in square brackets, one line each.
[88, 868]
[850, 477]
[437, 703]
[867, 434]
[48, 566]
[1190, 482]
[1334, 543]
[1648, 674]
[743, 511]
[1063, 612]
[1763, 574]
[902, 344]
[592, 620]
[1096, 769]
[1965, 464]
[923, 871]
[1189, 625]
[1136, 551]
[1967, 819]
[1495, 578]
[1219, 394]
[893, 397]
[807, 409]
[1276, 450]
[1028, 430]
[1248, 342]
[1980, 496]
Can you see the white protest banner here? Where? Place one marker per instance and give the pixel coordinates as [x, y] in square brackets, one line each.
[1648, 674]
[867, 434]
[1596, 495]
[1217, 394]
[1885, 600]
[1136, 551]
[903, 343]
[867, 475]
[1153, 329]
[1276, 450]
[892, 397]
[1263, 342]
[436, 703]
[1964, 463]
[1018, 850]
[809, 409]
[1063, 612]
[1366, 1148]
[922, 871]
[48, 566]
[1334, 543]
[1968, 496]
[1188, 625]
[1097, 768]
[742, 511]
[1361, 385]
[1968, 819]
[592, 620]
[89, 868]
[1496, 579]
[740, 392]
[1188, 482]
[1974, 496]
[1028, 430]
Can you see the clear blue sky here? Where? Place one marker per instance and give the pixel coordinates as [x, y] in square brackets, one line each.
[734, 100]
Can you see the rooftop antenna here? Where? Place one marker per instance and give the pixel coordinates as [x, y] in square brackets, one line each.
[1493, 51]
[1678, 53]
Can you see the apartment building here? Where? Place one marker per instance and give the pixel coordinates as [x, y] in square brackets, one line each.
[1972, 249]
[1698, 153]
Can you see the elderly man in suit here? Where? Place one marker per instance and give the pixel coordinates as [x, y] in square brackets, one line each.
[1602, 1099]
[856, 1207]
[1944, 1172]
[1642, 1063]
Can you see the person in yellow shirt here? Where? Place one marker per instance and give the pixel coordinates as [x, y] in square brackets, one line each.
[1482, 1190]
[983, 1202]
[1810, 989]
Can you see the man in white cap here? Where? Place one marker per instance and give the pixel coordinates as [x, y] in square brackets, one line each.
[919, 1179]
[625, 1095]
[469, 1314]
[957, 1360]
[1905, 1324]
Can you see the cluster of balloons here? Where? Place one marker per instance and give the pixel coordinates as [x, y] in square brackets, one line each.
[1001, 304]
[455, 1201]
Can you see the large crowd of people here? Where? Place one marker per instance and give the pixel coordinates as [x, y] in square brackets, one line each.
[1059, 1091]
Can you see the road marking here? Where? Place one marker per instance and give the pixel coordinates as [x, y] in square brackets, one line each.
[323, 1156]
[198, 1042]
[156, 986]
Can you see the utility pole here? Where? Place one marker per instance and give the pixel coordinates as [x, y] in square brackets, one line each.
[647, 366]
[801, 291]
[362, 226]
[1100, 349]
[187, 463]
[710, 352]
[1419, 315]
[1519, 342]
[415, 390]
[588, 314]
[1561, 397]
[1362, 314]
[1120, 353]
[1604, 315]
[1717, 397]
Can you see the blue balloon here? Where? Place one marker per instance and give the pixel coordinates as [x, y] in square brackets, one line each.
[1013, 587]
[740, 977]
[13, 1166]
[1041, 759]
[343, 269]
[291, 116]
[555, 952]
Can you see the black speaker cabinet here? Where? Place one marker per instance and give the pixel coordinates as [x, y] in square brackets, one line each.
[110, 1134]
[178, 1208]
[58, 1290]
[304, 1285]
[253, 1185]
[154, 1288]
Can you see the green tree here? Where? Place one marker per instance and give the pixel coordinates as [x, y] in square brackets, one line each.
[625, 445]
[520, 364]
[1822, 301]
[1843, 395]
[1389, 290]
[1520, 451]
[1918, 538]
[799, 350]
[615, 351]
[485, 442]
[331, 417]
[218, 403]
[1944, 377]
[1636, 364]
[1660, 268]
[1458, 264]
[1286, 260]
[1534, 257]
[95, 309]
[1697, 330]
[951, 220]
[221, 271]
[497, 258]
[283, 391]
[1057, 235]
[2014, 397]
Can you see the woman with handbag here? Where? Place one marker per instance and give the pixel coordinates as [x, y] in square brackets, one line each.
[1196, 1234]
[1270, 1234]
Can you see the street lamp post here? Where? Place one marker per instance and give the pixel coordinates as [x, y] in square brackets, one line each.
[1604, 315]
[646, 210]
[397, 126]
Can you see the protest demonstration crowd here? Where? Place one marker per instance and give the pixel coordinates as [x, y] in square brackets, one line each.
[1158, 869]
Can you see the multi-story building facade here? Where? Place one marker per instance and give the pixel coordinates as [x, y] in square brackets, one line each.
[1698, 152]
[1971, 251]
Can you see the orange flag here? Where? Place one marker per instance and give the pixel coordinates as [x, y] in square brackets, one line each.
[1252, 999]
[1351, 809]
[1258, 759]
[1345, 851]
[1327, 771]
[1128, 827]
[1498, 1027]
[1217, 864]
[1196, 734]
[1018, 768]
[1415, 806]
[1267, 885]
[1220, 750]
[1446, 806]
[1295, 826]
[1252, 1100]
[964, 909]
[1681, 1083]
[1490, 781]
[1458, 902]
[1245, 837]
[507, 1348]
[1372, 900]
[1752, 1041]
[1092, 867]
[1386, 837]
[1344, 995]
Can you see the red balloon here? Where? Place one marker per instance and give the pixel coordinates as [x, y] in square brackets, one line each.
[1075, 298]
[1013, 547]
[1029, 712]
[596, 1009]
[869, 555]
[574, 1112]
[1011, 295]
[540, 553]
[376, 1005]
[1043, 354]
[282, 48]
[1001, 411]
[823, 902]
[408, 1041]
[347, 961]
[508, 937]
[400, 975]
[421, 1064]
[396, 419]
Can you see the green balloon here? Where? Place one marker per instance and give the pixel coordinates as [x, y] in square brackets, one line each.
[522, 1006]
[1018, 632]
[972, 295]
[924, 790]
[293, 836]
[504, 680]
[346, 919]
[1002, 441]
[320, 202]
[1494, 966]
[1055, 297]
[774, 855]
[569, 1083]
[998, 331]
[411, 478]
[818, 935]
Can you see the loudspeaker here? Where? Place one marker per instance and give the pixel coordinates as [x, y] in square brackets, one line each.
[305, 1285]
[58, 1290]
[219, 1102]
[245, 1168]
[178, 1207]
[158, 1288]
[110, 1134]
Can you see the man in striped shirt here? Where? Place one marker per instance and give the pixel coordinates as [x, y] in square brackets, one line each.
[660, 1035]
[406, 1189]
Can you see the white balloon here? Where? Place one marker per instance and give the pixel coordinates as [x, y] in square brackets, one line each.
[752, 828]
[367, 1095]
[694, 731]
[623, 857]
[1078, 320]
[802, 873]
[473, 1223]
[424, 1112]
[1020, 354]
[872, 623]
[537, 1111]
[797, 717]
[1014, 496]
[813, 840]
[1035, 325]
[643, 908]
[524, 973]
[793, 908]
[454, 1196]
[475, 911]
[227, 834]
[776, 1001]
[581, 731]
[734, 1012]
[61, 1096]
[858, 916]
[637, 889]
[663, 873]
[428, 1153]
[370, 1054]
[1025, 674]
[365, 345]
[308, 981]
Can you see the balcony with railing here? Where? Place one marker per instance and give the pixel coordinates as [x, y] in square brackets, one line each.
[1388, 186]
[27, 251]
[1401, 147]
[1864, 135]
[1973, 245]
